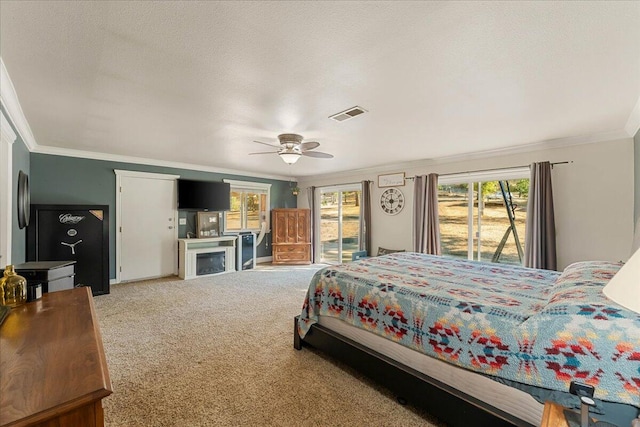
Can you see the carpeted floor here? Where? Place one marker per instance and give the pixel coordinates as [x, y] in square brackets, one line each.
[219, 352]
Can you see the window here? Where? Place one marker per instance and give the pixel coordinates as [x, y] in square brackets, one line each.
[339, 209]
[483, 215]
[250, 206]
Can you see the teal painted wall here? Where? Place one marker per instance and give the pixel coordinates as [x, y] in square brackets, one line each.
[19, 237]
[20, 162]
[70, 180]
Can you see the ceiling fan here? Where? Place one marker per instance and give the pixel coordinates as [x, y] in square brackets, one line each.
[291, 148]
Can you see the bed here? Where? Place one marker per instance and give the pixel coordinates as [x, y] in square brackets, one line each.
[478, 341]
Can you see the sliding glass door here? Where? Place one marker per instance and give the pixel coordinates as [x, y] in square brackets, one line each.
[339, 222]
[484, 220]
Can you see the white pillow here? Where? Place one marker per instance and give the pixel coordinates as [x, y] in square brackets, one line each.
[624, 287]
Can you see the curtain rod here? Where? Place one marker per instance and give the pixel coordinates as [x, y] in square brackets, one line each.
[494, 169]
[344, 183]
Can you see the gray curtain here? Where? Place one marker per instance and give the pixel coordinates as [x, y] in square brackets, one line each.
[540, 239]
[311, 195]
[426, 223]
[365, 218]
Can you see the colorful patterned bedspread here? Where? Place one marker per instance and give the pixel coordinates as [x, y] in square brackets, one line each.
[536, 327]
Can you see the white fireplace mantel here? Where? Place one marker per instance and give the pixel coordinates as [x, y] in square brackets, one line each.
[189, 249]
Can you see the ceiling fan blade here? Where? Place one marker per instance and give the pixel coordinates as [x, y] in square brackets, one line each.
[266, 143]
[317, 154]
[309, 145]
[265, 152]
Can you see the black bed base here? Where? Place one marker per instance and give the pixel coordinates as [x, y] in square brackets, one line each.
[449, 405]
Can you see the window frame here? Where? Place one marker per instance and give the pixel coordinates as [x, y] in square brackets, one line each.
[249, 187]
[471, 178]
[339, 188]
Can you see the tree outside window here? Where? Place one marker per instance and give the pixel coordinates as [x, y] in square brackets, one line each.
[486, 223]
[249, 206]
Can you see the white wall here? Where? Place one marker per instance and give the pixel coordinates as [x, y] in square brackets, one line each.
[593, 197]
[636, 141]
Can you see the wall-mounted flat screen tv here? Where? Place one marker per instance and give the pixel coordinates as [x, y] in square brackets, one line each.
[203, 195]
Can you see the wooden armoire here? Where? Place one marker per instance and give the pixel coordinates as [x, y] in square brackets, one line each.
[291, 236]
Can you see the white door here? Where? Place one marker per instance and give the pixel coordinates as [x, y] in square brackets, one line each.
[147, 225]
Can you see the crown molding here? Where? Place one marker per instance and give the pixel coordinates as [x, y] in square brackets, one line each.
[633, 123]
[526, 148]
[9, 99]
[8, 134]
[67, 152]
[548, 144]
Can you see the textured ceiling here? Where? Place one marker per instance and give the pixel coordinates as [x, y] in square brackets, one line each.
[197, 82]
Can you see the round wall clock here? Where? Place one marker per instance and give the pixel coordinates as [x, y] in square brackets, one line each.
[24, 202]
[392, 201]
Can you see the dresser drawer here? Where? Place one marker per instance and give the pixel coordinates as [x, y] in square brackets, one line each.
[292, 254]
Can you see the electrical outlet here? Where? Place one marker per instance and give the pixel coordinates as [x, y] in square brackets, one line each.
[182, 221]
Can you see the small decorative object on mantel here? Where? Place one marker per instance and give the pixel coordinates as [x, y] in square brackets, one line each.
[208, 224]
[391, 180]
[13, 288]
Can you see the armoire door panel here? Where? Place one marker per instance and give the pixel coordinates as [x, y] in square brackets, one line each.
[291, 236]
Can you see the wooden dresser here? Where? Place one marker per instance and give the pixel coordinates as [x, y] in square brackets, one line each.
[291, 236]
[53, 370]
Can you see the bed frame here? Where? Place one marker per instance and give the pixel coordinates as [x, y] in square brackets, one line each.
[446, 403]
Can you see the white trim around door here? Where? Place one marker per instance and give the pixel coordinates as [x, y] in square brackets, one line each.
[8, 137]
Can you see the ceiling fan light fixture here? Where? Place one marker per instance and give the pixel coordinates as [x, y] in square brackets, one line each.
[290, 157]
[291, 148]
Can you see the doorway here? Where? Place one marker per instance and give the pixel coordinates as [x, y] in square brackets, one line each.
[146, 231]
[339, 223]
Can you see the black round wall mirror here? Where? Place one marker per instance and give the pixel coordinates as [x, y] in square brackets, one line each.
[24, 200]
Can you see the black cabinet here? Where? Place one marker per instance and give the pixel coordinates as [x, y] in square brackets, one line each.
[52, 275]
[77, 233]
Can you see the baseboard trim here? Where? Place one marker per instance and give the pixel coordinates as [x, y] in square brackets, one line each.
[264, 259]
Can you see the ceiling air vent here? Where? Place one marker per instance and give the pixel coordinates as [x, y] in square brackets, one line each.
[348, 114]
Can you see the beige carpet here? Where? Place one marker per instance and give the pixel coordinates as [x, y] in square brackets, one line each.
[219, 352]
